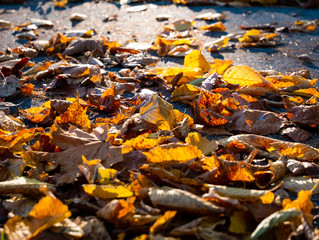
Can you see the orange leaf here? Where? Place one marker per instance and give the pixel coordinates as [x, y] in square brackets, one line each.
[214, 27]
[45, 213]
[164, 219]
[75, 114]
[60, 4]
[172, 152]
[27, 88]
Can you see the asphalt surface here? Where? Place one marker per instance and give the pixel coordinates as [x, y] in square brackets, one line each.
[143, 27]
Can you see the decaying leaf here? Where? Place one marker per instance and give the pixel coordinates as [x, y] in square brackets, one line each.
[176, 199]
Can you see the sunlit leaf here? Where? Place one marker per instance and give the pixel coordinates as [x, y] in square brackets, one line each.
[44, 214]
[186, 92]
[145, 141]
[162, 220]
[220, 66]
[172, 153]
[40, 115]
[297, 184]
[252, 35]
[302, 203]
[243, 194]
[27, 88]
[107, 191]
[243, 76]
[214, 27]
[60, 3]
[75, 114]
[202, 143]
[195, 59]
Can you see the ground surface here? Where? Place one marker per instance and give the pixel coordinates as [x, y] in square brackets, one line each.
[143, 27]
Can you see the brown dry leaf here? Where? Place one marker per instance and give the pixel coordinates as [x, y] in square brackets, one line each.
[172, 175]
[9, 123]
[204, 145]
[304, 115]
[10, 86]
[273, 148]
[183, 201]
[214, 27]
[297, 184]
[243, 76]
[173, 152]
[69, 159]
[48, 211]
[83, 45]
[93, 228]
[158, 112]
[296, 134]
[256, 121]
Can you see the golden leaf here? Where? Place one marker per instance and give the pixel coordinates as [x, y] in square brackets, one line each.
[164, 219]
[238, 222]
[44, 214]
[37, 114]
[145, 141]
[27, 88]
[243, 76]
[252, 35]
[185, 92]
[60, 4]
[220, 66]
[206, 146]
[303, 203]
[214, 27]
[75, 114]
[173, 152]
[107, 191]
[195, 59]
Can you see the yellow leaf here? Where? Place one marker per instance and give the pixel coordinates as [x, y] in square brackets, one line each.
[268, 198]
[179, 116]
[172, 152]
[243, 76]
[252, 35]
[164, 219]
[75, 114]
[309, 92]
[145, 141]
[220, 66]
[105, 175]
[185, 92]
[303, 203]
[37, 114]
[159, 112]
[195, 59]
[60, 4]
[189, 73]
[107, 191]
[45, 213]
[214, 27]
[206, 146]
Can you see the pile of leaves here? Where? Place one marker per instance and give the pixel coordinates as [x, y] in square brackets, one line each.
[209, 150]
